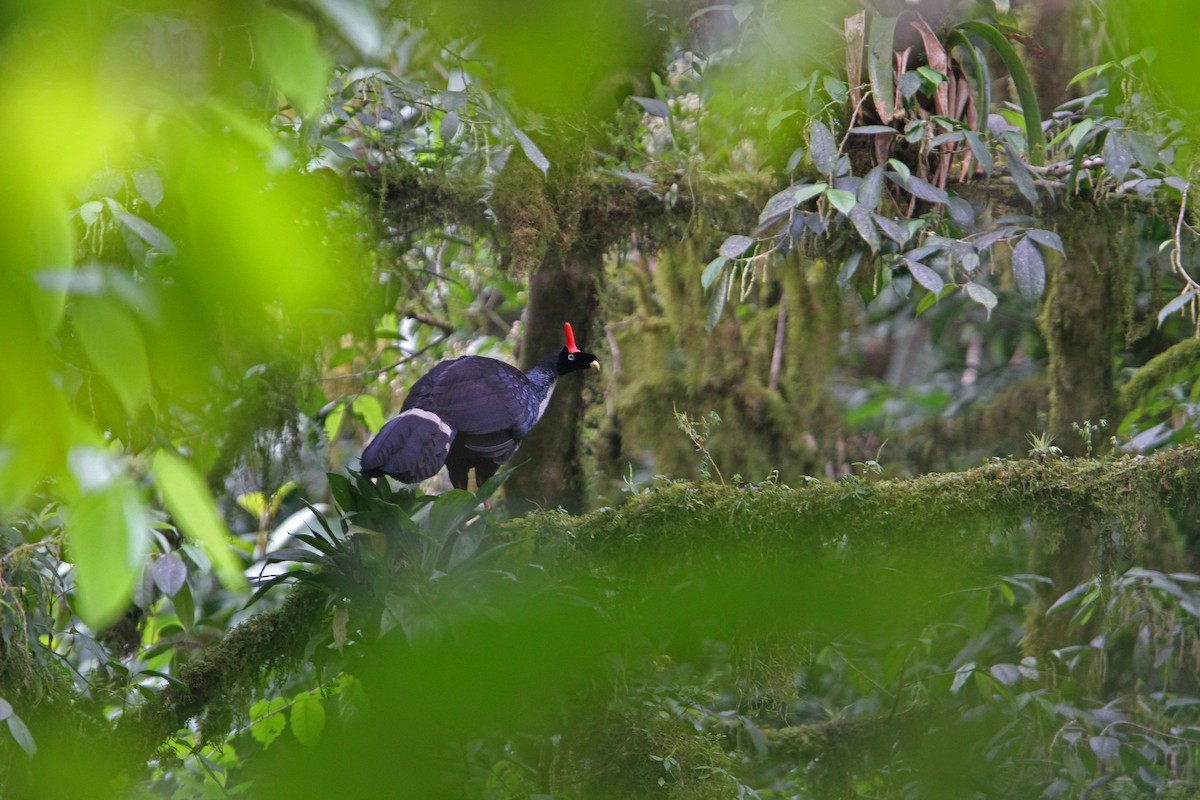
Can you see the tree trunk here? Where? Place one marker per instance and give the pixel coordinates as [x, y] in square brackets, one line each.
[563, 289]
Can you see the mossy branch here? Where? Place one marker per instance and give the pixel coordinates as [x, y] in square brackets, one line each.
[223, 674]
[935, 512]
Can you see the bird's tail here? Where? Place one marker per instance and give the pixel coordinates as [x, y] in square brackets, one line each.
[411, 447]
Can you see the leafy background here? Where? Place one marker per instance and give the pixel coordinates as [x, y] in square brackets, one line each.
[833, 259]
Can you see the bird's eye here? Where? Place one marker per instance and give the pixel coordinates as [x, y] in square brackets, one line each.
[570, 356]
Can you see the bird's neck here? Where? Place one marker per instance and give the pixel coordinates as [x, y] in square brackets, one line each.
[544, 373]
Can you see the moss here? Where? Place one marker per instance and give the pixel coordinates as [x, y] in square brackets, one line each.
[934, 513]
[528, 220]
[626, 752]
[1177, 362]
[216, 684]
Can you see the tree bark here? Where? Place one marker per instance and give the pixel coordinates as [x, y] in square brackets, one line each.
[564, 289]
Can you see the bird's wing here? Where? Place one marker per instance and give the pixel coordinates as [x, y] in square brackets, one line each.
[475, 395]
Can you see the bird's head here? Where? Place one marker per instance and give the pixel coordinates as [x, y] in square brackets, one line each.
[571, 358]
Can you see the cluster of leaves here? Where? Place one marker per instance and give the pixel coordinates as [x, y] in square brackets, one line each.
[900, 215]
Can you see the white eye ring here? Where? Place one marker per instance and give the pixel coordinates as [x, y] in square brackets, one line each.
[570, 356]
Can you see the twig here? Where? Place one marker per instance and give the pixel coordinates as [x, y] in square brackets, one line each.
[777, 353]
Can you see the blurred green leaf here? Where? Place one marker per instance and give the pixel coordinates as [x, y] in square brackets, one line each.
[108, 527]
[114, 345]
[308, 719]
[293, 58]
[195, 512]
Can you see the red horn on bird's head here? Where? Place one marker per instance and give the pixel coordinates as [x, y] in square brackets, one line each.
[571, 348]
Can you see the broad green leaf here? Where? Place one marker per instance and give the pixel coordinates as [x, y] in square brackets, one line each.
[822, 147]
[449, 511]
[901, 169]
[961, 211]
[841, 199]
[308, 720]
[1046, 239]
[333, 421]
[880, 47]
[267, 720]
[367, 408]
[735, 245]
[195, 512]
[532, 151]
[898, 232]
[861, 218]
[357, 21]
[149, 185]
[983, 296]
[254, 504]
[1117, 156]
[1020, 174]
[924, 190]
[147, 232]
[115, 347]
[108, 529]
[849, 267]
[1029, 270]
[981, 152]
[871, 189]
[713, 271]
[836, 89]
[291, 53]
[716, 303]
[926, 277]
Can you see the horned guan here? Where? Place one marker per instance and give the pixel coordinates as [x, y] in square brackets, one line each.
[468, 413]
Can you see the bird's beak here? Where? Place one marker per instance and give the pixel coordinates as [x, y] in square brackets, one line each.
[596, 366]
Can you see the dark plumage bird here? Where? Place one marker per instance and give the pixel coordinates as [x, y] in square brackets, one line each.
[468, 413]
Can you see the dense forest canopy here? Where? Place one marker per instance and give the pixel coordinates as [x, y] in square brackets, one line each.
[887, 487]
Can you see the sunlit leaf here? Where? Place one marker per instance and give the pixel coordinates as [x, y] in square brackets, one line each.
[267, 720]
[307, 719]
[842, 200]
[367, 408]
[194, 509]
